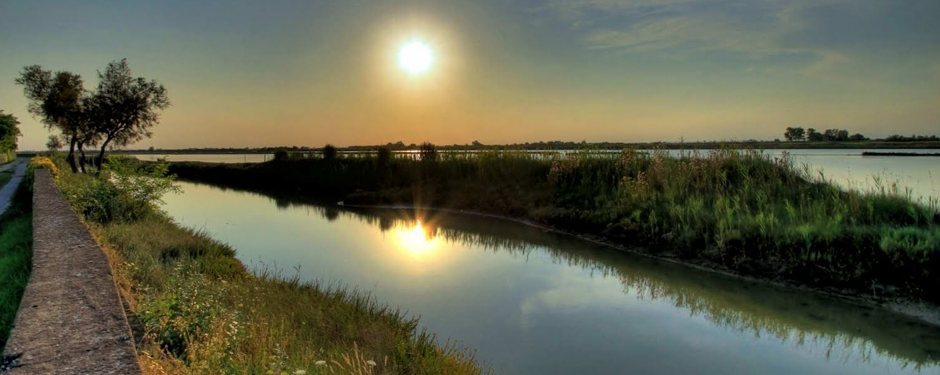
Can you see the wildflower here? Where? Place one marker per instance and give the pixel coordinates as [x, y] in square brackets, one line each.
[371, 363]
[320, 363]
[300, 372]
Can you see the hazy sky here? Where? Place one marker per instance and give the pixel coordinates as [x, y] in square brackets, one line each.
[265, 73]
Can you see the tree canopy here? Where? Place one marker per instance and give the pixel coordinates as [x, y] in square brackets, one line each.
[9, 132]
[123, 109]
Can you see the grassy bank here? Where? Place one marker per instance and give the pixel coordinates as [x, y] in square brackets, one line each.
[203, 312]
[16, 237]
[5, 177]
[739, 211]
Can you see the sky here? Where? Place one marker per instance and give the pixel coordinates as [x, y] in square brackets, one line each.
[308, 73]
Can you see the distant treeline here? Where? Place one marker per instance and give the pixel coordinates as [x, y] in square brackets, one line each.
[830, 138]
[793, 134]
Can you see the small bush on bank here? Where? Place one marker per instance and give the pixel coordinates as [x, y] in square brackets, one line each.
[329, 152]
[41, 162]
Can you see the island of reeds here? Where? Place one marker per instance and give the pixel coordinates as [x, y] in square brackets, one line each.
[741, 212]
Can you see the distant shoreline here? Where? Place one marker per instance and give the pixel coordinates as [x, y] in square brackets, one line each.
[899, 154]
[556, 146]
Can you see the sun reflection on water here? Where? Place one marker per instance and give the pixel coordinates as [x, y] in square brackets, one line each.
[415, 240]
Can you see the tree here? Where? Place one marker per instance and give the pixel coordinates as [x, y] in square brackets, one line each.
[57, 100]
[9, 132]
[54, 143]
[329, 152]
[428, 152]
[836, 135]
[813, 136]
[123, 109]
[794, 134]
[858, 137]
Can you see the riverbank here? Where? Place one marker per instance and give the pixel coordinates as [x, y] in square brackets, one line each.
[15, 254]
[743, 213]
[201, 311]
[571, 146]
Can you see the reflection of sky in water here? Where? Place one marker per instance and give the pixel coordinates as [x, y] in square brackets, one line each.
[535, 303]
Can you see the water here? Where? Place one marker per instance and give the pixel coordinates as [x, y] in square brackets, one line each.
[208, 158]
[532, 302]
[917, 176]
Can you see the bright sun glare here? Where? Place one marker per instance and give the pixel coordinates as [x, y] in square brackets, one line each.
[415, 57]
[415, 240]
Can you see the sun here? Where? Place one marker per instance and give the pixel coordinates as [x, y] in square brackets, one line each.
[415, 57]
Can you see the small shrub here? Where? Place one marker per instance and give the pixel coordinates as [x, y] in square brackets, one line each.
[383, 156]
[428, 152]
[41, 162]
[329, 152]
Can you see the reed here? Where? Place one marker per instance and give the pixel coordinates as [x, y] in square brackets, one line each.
[741, 211]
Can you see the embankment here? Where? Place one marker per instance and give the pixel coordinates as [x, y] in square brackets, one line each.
[71, 320]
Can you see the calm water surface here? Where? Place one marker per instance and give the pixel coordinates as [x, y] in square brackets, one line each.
[537, 303]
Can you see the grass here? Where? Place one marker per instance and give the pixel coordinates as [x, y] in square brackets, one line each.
[16, 237]
[203, 312]
[740, 211]
[5, 177]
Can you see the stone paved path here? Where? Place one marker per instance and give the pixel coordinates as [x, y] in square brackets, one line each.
[70, 320]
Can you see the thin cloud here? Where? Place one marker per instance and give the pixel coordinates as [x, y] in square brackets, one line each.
[828, 33]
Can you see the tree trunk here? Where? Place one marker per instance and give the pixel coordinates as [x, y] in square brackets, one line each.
[71, 157]
[81, 156]
[101, 156]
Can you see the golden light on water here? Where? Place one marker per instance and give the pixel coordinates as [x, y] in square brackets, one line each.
[415, 57]
[415, 240]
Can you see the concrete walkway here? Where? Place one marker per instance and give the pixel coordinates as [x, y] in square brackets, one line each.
[70, 320]
[6, 194]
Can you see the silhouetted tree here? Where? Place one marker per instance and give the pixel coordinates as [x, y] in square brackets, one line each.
[124, 108]
[281, 155]
[813, 136]
[428, 152]
[329, 152]
[794, 134]
[383, 156]
[837, 135]
[57, 100]
[858, 137]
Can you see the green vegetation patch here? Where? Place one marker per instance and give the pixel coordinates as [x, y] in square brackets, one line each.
[740, 211]
[16, 239]
[5, 177]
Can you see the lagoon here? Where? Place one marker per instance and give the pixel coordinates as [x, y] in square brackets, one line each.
[532, 302]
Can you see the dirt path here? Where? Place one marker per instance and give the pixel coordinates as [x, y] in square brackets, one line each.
[70, 320]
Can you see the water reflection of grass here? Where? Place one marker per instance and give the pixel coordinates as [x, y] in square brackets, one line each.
[859, 332]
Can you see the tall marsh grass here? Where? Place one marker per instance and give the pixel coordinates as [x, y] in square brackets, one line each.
[739, 210]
